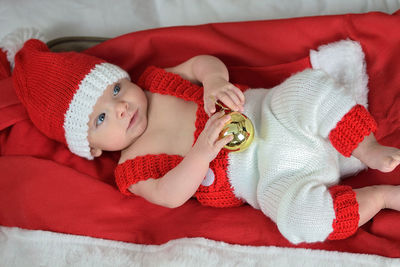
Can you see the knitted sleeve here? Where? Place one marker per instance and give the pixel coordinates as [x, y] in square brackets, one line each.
[160, 81]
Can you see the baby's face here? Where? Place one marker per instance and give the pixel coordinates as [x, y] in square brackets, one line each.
[118, 118]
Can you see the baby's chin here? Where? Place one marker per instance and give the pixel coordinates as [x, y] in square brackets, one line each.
[140, 129]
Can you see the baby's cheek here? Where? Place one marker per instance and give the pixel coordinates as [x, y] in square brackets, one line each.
[107, 140]
[116, 144]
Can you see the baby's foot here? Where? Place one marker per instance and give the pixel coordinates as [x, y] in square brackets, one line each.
[376, 156]
[383, 158]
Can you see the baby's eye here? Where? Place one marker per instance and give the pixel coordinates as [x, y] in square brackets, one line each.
[100, 119]
[116, 90]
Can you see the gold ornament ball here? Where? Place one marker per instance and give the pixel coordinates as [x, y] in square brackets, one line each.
[242, 129]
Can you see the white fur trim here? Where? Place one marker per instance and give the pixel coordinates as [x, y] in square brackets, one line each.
[77, 116]
[344, 61]
[19, 247]
[13, 42]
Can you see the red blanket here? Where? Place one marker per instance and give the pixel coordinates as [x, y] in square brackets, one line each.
[43, 186]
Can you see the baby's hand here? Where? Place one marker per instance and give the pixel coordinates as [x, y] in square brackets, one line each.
[218, 88]
[209, 144]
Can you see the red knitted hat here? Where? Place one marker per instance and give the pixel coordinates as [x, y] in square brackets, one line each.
[59, 91]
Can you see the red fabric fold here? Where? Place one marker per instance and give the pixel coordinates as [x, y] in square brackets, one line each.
[11, 109]
[5, 69]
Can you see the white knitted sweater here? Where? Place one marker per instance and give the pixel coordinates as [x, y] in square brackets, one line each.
[288, 169]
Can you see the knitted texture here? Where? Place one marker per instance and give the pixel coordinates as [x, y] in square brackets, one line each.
[158, 80]
[142, 168]
[352, 129]
[220, 192]
[346, 210]
[286, 169]
[59, 91]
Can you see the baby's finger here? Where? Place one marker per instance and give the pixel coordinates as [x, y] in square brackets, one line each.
[209, 106]
[215, 124]
[214, 117]
[235, 98]
[239, 94]
[228, 101]
[240, 97]
[218, 126]
[219, 144]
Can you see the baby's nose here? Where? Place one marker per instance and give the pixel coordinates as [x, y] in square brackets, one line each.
[122, 108]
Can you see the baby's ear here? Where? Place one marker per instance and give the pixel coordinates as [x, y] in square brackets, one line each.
[95, 152]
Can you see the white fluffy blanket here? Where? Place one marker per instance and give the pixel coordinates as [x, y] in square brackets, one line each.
[20, 247]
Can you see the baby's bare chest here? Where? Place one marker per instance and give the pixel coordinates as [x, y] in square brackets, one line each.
[170, 130]
[172, 117]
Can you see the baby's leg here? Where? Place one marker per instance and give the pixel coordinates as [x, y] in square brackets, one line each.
[377, 156]
[372, 199]
[353, 135]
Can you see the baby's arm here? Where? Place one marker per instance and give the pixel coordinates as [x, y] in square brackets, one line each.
[179, 184]
[198, 68]
[214, 75]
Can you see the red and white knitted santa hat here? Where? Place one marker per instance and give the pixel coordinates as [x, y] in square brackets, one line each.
[59, 91]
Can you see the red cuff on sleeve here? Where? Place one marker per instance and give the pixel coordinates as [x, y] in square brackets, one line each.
[352, 129]
[346, 210]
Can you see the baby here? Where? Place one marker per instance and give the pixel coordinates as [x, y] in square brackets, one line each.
[309, 131]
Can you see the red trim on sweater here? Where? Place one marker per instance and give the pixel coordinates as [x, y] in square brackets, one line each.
[352, 129]
[346, 210]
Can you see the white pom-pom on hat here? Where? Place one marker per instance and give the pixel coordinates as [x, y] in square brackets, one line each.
[14, 41]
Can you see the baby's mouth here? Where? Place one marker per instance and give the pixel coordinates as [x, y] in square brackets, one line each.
[133, 120]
